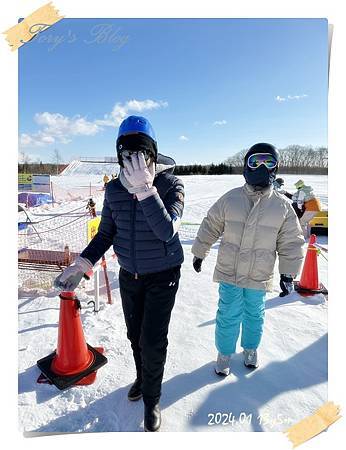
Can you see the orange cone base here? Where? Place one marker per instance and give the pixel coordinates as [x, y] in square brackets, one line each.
[90, 379]
[309, 292]
[89, 362]
[66, 381]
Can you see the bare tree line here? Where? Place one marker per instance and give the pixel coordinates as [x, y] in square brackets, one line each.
[27, 165]
[293, 159]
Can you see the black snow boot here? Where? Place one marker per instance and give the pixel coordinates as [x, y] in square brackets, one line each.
[152, 417]
[135, 392]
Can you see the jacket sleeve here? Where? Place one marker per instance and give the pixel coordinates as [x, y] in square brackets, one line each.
[300, 198]
[210, 229]
[290, 243]
[164, 216]
[103, 239]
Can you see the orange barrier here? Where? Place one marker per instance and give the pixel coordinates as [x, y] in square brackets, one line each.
[309, 283]
[74, 362]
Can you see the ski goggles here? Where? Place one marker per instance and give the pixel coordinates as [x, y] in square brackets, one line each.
[127, 154]
[257, 159]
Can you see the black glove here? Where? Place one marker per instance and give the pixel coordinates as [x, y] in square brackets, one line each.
[286, 284]
[197, 264]
[298, 211]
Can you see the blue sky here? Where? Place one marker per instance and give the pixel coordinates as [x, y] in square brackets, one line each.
[210, 87]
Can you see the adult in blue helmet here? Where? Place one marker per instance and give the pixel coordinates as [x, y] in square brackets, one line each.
[136, 134]
[140, 218]
[256, 223]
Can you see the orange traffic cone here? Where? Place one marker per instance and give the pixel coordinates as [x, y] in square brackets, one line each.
[309, 283]
[74, 362]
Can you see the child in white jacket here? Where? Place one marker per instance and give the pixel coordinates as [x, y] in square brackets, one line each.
[254, 222]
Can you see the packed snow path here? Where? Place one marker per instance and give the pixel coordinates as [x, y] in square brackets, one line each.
[290, 383]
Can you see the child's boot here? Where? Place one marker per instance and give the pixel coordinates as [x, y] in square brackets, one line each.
[222, 366]
[250, 358]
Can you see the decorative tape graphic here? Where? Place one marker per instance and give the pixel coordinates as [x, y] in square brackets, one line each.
[27, 29]
[314, 424]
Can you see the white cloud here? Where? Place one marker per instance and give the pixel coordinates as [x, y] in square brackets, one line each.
[25, 139]
[57, 128]
[220, 122]
[57, 125]
[38, 139]
[183, 138]
[290, 97]
[121, 110]
[296, 97]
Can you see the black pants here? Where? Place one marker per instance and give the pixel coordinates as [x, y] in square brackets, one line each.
[147, 304]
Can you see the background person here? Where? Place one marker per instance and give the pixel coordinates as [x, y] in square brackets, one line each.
[278, 185]
[306, 204]
[105, 181]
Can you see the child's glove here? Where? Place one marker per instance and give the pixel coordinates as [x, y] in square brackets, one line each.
[286, 284]
[71, 276]
[197, 264]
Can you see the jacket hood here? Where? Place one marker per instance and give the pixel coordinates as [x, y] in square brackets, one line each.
[164, 164]
[307, 189]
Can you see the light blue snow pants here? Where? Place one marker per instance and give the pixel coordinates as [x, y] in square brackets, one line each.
[239, 306]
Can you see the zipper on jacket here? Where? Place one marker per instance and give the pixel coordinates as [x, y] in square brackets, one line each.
[256, 203]
[133, 221]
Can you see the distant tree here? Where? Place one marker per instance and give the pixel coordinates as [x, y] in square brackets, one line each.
[24, 160]
[237, 160]
[57, 159]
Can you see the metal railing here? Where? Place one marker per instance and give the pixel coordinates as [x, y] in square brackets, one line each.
[99, 159]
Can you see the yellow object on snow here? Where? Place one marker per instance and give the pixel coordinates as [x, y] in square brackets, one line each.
[93, 226]
[320, 220]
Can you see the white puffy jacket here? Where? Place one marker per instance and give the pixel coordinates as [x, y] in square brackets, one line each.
[254, 226]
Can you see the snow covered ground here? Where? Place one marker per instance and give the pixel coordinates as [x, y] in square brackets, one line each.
[290, 383]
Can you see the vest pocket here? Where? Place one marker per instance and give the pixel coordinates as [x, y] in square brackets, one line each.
[226, 258]
[262, 265]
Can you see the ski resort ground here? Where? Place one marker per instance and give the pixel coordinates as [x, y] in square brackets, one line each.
[290, 383]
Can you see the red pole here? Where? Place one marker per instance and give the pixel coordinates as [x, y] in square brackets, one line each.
[52, 192]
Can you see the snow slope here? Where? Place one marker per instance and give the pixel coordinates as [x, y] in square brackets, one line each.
[77, 168]
[290, 383]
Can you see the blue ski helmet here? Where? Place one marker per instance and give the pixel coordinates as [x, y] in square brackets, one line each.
[136, 133]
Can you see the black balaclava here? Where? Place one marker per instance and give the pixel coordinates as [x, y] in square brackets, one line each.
[262, 176]
[135, 142]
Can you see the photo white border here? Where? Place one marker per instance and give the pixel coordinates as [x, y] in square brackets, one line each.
[331, 10]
